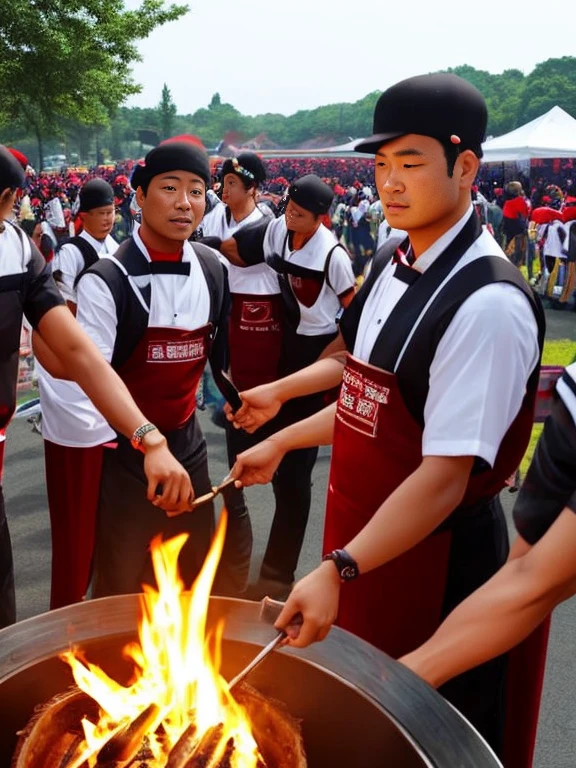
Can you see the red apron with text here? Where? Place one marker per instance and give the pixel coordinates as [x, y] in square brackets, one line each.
[163, 373]
[377, 445]
[255, 339]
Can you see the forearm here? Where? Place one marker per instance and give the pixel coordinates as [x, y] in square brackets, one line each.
[412, 511]
[492, 620]
[229, 249]
[322, 375]
[308, 433]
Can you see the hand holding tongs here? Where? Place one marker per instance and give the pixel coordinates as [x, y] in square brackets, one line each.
[265, 607]
[216, 489]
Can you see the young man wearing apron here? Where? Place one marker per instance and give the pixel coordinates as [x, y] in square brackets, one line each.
[540, 573]
[27, 286]
[74, 435]
[316, 279]
[155, 310]
[254, 342]
[435, 409]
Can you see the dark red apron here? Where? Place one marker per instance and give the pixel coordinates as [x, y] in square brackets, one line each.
[377, 445]
[255, 339]
[163, 373]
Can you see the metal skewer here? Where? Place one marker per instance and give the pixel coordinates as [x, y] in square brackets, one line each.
[280, 637]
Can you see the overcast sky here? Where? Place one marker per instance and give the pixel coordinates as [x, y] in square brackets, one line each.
[272, 56]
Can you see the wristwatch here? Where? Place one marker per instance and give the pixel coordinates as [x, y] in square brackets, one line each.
[345, 564]
[138, 436]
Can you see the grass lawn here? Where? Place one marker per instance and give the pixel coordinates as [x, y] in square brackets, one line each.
[558, 352]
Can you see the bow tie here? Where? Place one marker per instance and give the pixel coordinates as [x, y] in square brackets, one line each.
[404, 257]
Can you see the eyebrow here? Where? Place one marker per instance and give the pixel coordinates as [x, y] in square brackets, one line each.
[408, 152]
[178, 178]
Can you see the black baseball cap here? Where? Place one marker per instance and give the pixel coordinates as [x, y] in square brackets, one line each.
[172, 156]
[437, 105]
[312, 194]
[11, 171]
[246, 165]
[95, 194]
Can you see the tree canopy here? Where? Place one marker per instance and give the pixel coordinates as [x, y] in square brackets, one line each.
[69, 60]
[513, 98]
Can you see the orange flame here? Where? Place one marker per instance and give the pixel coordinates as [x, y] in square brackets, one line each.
[177, 667]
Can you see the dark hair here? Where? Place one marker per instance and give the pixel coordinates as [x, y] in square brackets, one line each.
[29, 225]
[451, 153]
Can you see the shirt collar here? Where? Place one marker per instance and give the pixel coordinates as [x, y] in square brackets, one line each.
[430, 255]
[100, 246]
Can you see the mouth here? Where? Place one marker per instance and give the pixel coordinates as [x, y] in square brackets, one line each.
[396, 207]
[182, 221]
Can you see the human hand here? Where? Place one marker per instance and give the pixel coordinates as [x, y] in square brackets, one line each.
[258, 464]
[316, 597]
[259, 405]
[169, 485]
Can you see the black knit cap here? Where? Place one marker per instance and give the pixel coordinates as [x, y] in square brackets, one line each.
[246, 165]
[11, 172]
[95, 194]
[440, 106]
[311, 193]
[172, 156]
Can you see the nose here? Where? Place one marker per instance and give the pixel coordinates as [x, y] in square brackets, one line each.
[183, 201]
[392, 183]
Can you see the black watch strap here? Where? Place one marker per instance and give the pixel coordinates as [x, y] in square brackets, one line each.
[345, 564]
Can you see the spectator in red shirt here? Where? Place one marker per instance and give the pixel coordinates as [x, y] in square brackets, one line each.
[516, 212]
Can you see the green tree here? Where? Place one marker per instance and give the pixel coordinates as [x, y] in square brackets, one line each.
[167, 110]
[63, 60]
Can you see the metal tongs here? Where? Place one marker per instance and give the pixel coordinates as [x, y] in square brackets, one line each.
[267, 607]
[216, 489]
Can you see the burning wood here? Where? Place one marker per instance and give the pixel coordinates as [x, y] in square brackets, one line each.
[195, 720]
[53, 738]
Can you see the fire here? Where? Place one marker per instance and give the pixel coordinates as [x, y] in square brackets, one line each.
[177, 681]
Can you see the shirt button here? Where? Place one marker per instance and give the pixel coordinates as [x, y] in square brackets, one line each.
[379, 321]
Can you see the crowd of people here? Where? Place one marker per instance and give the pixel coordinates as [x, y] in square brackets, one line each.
[530, 217]
[423, 376]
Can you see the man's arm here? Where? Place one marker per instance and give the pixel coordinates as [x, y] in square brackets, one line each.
[408, 515]
[258, 464]
[81, 360]
[262, 403]
[505, 610]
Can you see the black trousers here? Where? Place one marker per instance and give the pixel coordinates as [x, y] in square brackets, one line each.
[7, 592]
[292, 486]
[479, 549]
[127, 521]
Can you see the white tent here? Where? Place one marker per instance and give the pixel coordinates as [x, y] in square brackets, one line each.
[549, 136]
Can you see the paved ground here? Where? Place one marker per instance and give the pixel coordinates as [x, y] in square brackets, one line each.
[28, 516]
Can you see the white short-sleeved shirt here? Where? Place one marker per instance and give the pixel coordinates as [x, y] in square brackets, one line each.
[555, 243]
[259, 279]
[320, 318]
[482, 364]
[68, 417]
[69, 262]
[176, 300]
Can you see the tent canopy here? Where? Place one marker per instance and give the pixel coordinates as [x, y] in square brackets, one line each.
[549, 136]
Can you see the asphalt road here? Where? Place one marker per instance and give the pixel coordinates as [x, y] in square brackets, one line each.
[28, 518]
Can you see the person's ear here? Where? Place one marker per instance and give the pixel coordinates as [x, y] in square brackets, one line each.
[140, 196]
[469, 164]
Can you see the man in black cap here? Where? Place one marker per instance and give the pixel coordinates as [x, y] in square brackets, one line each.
[316, 281]
[156, 309]
[254, 340]
[436, 401]
[27, 287]
[74, 436]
